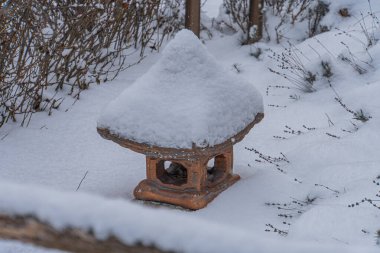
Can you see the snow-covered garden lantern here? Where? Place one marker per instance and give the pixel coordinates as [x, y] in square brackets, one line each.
[184, 113]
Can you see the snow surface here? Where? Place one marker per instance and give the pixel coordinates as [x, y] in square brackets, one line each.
[186, 98]
[211, 7]
[133, 223]
[18, 247]
[57, 151]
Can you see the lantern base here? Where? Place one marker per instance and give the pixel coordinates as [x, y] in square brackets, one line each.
[150, 190]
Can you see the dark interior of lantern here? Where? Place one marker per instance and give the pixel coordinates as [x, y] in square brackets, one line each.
[171, 173]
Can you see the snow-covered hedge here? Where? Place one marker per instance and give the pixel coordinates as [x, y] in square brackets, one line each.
[51, 46]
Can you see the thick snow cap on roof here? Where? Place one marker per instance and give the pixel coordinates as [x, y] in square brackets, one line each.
[185, 98]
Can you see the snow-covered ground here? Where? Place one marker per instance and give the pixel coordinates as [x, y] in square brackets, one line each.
[211, 7]
[329, 159]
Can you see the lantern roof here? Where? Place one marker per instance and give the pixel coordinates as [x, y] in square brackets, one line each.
[186, 99]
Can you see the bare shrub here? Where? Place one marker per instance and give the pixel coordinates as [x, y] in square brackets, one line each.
[239, 13]
[314, 18]
[287, 13]
[370, 30]
[359, 115]
[291, 12]
[48, 47]
[291, 67]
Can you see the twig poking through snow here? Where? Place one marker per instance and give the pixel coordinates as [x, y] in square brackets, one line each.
[85, 175]
[5, 136]
[328, 188]
[329, 120]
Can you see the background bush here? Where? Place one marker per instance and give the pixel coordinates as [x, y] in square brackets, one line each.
[280, 16]
[48, 47]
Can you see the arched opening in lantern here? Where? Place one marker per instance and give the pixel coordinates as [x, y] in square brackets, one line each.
[216, 169]
[173, 173]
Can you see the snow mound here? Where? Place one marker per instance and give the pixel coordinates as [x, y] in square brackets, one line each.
[185, 98]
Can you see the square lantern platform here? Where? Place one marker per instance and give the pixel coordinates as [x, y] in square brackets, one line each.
[188, 183]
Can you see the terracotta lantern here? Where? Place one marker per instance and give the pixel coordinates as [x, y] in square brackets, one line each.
[185, 114]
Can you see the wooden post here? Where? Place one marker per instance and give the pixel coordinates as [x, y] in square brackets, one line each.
[193, 16]
[255, 20]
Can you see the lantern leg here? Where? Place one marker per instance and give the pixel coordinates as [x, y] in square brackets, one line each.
[197, 175]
